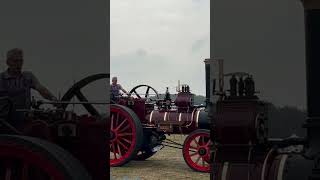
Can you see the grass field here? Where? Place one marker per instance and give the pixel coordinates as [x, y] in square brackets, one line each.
[167, 164]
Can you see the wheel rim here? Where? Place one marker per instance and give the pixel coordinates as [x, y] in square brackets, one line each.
[123, 136]
[197, 151]
[24, 162]
[19, 161]
[75, 91]
[134, 91]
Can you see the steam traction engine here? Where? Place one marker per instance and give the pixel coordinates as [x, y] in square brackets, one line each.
[54, 143]
[238, 125]
[242, 147]
[139, 126]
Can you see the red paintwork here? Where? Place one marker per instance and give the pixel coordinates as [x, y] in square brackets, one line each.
[89, 133]
[125, 136]
[180, 122]
[139, 106]
[183, 101]
[182, 117]
[197, 142]
[150, 115]
[13, 151]
[235, 117]
[89, 149]
[239, 153]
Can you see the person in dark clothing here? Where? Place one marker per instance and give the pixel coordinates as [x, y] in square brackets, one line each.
[241, 86]
[167, 99]
[247, 86]
[252, 86]
[233, 86]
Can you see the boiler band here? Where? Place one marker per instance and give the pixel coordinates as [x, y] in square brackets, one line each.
[196, 118]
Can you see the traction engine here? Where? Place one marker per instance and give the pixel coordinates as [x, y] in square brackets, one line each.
[54, 143]
[242, 149]
[139, 126]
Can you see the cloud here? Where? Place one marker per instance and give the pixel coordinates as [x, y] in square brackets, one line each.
[200, 44]
[143, 67]
[141, 52]
[151, 42]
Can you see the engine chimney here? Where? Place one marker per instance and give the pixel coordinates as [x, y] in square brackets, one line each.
[207, 76]
[312, 40]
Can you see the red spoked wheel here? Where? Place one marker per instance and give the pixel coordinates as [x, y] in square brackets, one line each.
[28, 158]
[196, 150]
[126, 135]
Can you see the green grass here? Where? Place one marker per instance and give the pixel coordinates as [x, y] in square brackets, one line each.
[167, 164]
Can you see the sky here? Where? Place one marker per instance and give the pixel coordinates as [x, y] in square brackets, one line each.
[160, 42]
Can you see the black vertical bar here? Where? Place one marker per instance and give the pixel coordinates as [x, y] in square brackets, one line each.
[312, 44]
[312, 28]
[207, 71]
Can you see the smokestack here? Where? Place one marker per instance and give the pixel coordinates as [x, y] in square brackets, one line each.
[213, 70]
[312, 40]
[207, 76]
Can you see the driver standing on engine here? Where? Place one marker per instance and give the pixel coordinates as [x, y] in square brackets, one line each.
[17, 85]
[115, 89]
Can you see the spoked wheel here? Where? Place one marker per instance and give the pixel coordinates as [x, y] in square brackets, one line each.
[196, 150]
[91, 139]
[126, 135]
[27, 158]
[75, 91]
[146, 94]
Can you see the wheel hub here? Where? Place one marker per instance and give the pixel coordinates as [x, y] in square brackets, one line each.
[202, 151]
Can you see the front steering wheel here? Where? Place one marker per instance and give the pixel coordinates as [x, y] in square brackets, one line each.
[146, 95]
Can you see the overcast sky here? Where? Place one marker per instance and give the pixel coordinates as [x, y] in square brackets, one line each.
[159, 42]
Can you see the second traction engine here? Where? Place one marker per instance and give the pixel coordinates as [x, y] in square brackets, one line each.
[147, 120]
[180, 115]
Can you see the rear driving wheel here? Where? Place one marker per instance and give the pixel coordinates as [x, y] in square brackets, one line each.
[28, 158]
[126, 135]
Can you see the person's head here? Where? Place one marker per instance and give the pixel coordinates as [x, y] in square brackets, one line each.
[15, 60]
[114, 80]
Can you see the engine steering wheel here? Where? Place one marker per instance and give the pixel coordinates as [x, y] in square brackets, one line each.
[75, 91]
[146, 95]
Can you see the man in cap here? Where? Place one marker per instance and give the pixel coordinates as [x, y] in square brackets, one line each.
[115, 89]
[17, 84]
